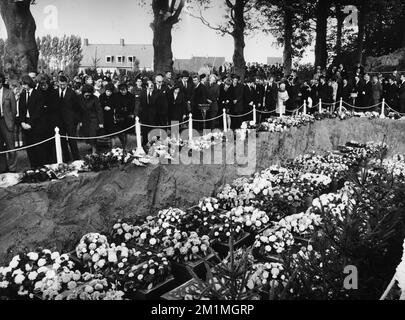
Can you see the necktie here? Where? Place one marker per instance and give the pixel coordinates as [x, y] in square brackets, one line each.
[62, 94]
[149, 97]
[28, 99]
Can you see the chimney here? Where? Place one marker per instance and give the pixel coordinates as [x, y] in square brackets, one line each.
[85, 42]
[122, 43]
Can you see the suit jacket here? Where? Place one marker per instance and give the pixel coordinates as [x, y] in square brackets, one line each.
[35, 107]
[224, 96]
[238, 93]
[344, 93]
[177, 107]
[401, 91]
[162, 99]
[9, 107]
[367, 94]
[148, 110]
[200, 96]
[271, 96]
[188, 92]
[68, 108]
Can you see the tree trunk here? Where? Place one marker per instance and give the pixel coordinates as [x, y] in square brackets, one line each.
[322, 14]
[21, 54]
[360, 37]
[288, 35]
[339, 32]
[238, 35]
[162, 45]
[166, 15]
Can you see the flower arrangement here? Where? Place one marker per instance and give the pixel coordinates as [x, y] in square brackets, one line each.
[92, 287]
[21, 279]
[272, 241]
[93, 250]
[267, 276]
[123, 232]
[185, 246]
[301, 224]
[148, 274]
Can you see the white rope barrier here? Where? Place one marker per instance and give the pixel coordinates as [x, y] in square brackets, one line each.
[240, 115]
[370, 107]
[207, 120]
[164, 127]
[99, 137]
[27, 147]
[266, 112]
[401, 114]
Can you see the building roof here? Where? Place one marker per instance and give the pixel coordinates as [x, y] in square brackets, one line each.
[142, 52]
[196, 63]
[274, 60]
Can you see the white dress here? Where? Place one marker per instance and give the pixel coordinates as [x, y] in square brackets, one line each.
[282, 98]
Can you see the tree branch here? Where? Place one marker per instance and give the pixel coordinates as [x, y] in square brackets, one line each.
[209, 25]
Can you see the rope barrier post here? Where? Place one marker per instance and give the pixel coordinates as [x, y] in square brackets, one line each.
[139, 148]
[382, 116]
[320, 106]
[58, 147]
[190, 127]
[305, 108]
[224, 120]
[340, 104]
[254, 114]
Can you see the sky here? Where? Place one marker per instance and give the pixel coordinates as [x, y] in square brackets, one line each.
[107, 21]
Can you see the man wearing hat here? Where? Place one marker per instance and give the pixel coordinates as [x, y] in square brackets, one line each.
[186, 88]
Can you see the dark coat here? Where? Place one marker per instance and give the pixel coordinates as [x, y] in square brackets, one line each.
[148, 111]
[111, 102]
[271, 96]
[344, 93]
[391, 96]
[367, 95]
[92, 115]
[238, 93]
[36, 110]
[226, 98]
[162, 100]
[401, 94]
[67, 110]
[200, 96]
[177, 107]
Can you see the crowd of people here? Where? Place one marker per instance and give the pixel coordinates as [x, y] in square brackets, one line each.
[90, 106]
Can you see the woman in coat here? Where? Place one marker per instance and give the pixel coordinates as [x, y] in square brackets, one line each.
[91, 115]
[108, 102]
[124, 113]
[177, 105]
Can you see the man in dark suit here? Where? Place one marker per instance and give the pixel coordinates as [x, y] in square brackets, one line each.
[367, 93]
[344, 91]
[270, 95]
[66, 117]
[325, 92]
[186, 87]
[148, 110]
[162, 92]
[401, 93]
[391, 93]
[33, 122]
[8, 111]
[200, 96]
[259, 93]
[238, 102]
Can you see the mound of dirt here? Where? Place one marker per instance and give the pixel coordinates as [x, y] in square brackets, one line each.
[56, 214]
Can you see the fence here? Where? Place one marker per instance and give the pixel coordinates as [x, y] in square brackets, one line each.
[57, 137]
